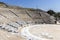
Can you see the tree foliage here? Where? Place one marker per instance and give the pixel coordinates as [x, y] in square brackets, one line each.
[51, 12]
[57, 14]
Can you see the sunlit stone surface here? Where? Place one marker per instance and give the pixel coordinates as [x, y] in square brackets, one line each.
[42, 32]
[14, 19]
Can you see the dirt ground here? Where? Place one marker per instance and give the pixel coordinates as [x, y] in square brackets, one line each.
[53, 30]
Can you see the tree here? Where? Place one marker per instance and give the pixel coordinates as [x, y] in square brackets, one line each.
[57, 15]
[51, 12]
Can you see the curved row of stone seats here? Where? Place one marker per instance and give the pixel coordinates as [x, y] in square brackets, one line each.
[34, 14]
[26, 15]
[22, 14]
[8, 14]
[11, 24]
[12, 29]
[9, 28]
[48, 17]
[2, 19]
[17, 24]
[41, 15]
[14, 24]
[21, 22]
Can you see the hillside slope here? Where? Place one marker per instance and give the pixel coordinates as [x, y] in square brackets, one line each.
[14, 18]
[28, 15]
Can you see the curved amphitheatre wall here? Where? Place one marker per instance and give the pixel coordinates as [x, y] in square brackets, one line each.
[13, 17]
[15, 13]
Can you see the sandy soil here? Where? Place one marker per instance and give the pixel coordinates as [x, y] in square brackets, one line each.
[53, 30]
